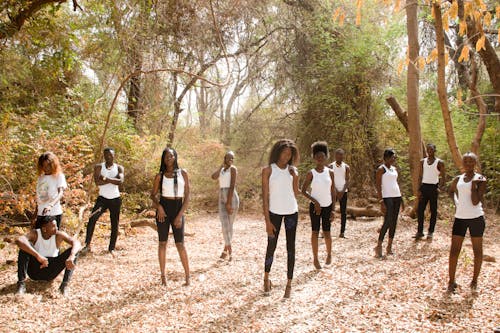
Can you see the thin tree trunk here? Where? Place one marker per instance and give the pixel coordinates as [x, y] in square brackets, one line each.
[414, 131]
[134, 93]
[441, 88]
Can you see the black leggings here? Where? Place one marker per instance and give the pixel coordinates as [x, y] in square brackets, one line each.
[272, 241]
[27, 264]
[101, 205]
[391, 217]
[429, 195]
[171, 208]
[343, 212]
[323, 219]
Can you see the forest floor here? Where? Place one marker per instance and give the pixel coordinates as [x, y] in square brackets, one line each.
[404, 292]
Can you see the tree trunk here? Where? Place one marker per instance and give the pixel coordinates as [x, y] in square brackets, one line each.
[134, 93]
[441, 88]
[414, 132]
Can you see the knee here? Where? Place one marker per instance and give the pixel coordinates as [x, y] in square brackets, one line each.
[180, 247]
[162, 245]
[315, 234]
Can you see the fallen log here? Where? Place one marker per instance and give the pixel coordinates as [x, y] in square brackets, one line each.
[368, 211]
[145, 222]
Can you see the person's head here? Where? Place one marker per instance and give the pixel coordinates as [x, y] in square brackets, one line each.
[109, 155]
[431, 149]
[284, 151]
[389, 156]
[48, 225]
[469, 161]
[339, 155]
[229, 158]
[320, 154]
[48, 164]
[168, 160]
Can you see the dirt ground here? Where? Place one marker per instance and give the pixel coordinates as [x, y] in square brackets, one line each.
[356, 293]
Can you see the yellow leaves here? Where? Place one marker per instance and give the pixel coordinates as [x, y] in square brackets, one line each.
[401, 67]
[498, 12]
[480, 43]
[464, 55]
[498, 34]
[468, 9]
[421, 63]
[487, 19]
[446, 24]
[453, 11]
[336, 14]
[462, 28]
[397, 5]
[432, 56]
[340, 15]
[358, 12]
[446, 59]
[459, 97]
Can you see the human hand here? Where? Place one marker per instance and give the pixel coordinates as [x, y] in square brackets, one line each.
[229, 208]
[270, 229]
[70, 264]
[317, 208]
[47, 209]
[178, 222]
[44, 262]
[382, 207]
[160, 213]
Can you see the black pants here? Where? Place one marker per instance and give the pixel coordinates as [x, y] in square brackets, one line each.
[343, 212]
[27, 264]
[40, 218]
[272, 241]
[391, 217]
[171, 207]
[429, 195]
[101, 205]
[320, 220]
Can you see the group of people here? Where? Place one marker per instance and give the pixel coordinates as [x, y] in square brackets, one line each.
[324, 185]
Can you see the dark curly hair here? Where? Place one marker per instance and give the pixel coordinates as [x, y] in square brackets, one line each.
[320, 147]
[279, 146]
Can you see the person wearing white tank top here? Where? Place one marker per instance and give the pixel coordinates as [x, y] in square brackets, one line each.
[280, 186]
[467, 191]
[108, 176]
[322, 197]
[39, 256]
[390, 199]
[229, 201]
[432, 169]
[170, 196]
[342, 173]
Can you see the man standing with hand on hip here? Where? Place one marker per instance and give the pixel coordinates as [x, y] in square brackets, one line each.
[108, 176]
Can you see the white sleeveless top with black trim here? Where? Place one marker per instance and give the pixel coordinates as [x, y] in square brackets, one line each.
[168, 186]
[464, 207]
[390, 187]
[109, 191]
[46, 247]
[430, 173]
[321, 187]
[282, 199]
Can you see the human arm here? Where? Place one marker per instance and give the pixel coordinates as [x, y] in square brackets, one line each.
[378, 185]
[334, 194]
[305, 192]
[75, 247]
[442, 174]
[230, 192]
[160, 212]
[295, 179]
[266, 173]
[216, 173]
[478, 189]
[185, 202]
[453, 188]
[24, 243]
[347, 179]
[420, 177]
[118, 179]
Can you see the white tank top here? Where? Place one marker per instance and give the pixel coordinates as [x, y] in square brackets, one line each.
[339, 173]
[167, 189]
[321, 186]
[430, 173]
[282, 199]
[225, 178]
[46, 247]
[464, 207]
[390, 187]
[109, 191]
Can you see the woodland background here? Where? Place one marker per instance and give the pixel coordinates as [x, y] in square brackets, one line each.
[208, 76]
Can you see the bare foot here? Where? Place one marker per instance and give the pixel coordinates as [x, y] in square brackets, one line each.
[378, 251]
[328, 260]
[288, 291]
[316, 264]
[163, 280]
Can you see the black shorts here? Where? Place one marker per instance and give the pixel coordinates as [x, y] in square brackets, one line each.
[322, 220]
[476, 226]
[171, 208]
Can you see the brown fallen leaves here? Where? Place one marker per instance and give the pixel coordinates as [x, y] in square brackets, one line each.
[402, 293]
